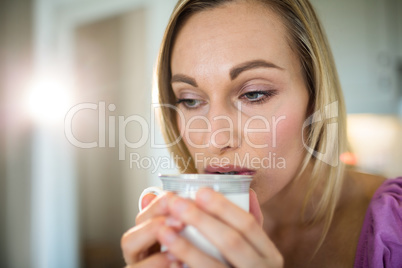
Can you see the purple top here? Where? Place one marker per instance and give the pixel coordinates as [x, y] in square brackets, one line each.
[380, 242]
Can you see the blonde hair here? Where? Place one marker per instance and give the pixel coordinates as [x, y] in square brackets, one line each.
[308, 40]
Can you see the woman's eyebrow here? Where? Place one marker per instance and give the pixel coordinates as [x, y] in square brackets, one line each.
[235, 71]
[184, 79]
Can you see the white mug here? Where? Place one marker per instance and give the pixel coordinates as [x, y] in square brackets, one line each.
[233, 187]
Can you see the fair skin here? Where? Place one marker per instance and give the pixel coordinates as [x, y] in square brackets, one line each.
[234, 64]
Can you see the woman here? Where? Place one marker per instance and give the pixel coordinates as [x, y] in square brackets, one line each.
[254, 82]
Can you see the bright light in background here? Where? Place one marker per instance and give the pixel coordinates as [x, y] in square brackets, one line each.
[376, 142]
[48, 100]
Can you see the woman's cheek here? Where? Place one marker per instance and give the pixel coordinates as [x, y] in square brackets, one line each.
[264, 133]
[195, 129]
[289, 143]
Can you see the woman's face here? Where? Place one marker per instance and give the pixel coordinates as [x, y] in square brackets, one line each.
[241, 95]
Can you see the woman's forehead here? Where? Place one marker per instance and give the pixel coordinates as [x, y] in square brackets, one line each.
[231, 34]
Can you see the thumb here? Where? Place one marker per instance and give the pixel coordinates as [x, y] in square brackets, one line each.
[255, 207]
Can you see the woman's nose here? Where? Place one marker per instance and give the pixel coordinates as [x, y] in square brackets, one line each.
[224, 131]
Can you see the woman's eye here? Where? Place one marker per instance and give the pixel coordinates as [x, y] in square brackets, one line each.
[189, 103]
[258, 96]
[254, 95]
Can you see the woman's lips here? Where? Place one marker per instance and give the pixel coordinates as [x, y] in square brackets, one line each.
[228, 169]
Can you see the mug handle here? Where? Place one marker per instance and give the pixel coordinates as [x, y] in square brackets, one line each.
[150, 190]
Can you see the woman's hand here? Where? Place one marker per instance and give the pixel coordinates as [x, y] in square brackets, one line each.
[139, 244]
[237, 234]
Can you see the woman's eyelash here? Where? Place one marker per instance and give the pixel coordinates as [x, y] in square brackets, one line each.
[189, 103]
[252, 97]
[265, 95]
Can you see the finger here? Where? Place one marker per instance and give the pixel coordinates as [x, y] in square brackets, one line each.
[140, 238]
[255, 207]
[147, 199]
[184, 250]
[157, 207]
[160, 259]
[245, 223]
[232, 244]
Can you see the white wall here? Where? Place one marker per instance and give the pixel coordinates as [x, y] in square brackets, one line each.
[364, 38]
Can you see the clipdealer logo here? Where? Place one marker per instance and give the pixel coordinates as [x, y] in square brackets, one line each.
[331, 154]
[109, 124]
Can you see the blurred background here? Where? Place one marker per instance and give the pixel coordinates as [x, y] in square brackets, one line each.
[75, 106]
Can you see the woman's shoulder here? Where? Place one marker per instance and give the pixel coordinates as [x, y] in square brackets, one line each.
[358, 190]
[376, 190]
[380, 241]
[364, 183]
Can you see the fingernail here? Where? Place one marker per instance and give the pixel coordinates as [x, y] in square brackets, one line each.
[168, 236]
[252, 190]
[172, 222]
[179, 205]
[204, 194]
